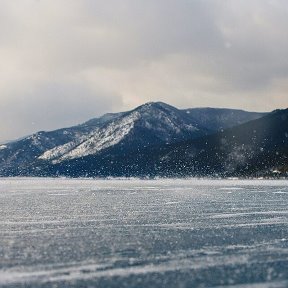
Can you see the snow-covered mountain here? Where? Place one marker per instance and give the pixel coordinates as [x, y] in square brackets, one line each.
[150, 124]
[254, 149]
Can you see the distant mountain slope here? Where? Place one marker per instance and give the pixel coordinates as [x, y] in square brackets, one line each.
[256, 148]
[151, 124]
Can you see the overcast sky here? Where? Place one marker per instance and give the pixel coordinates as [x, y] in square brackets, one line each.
[65, 61]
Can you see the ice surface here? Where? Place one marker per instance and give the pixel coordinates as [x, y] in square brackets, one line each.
[143, 233]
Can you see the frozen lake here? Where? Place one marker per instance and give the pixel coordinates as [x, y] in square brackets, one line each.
[143, 233]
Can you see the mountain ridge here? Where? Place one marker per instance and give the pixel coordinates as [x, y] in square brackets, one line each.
[151, 124]
[261, 152]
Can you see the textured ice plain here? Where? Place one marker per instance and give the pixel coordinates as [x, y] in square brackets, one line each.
[143, 233]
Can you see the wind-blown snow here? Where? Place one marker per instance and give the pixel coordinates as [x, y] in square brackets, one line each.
[2, 147]
[137, 233]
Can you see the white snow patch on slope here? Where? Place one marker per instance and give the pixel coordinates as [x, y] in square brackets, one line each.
[2, 147]
[104, 138]
[63, 149]
[100, 139]
[168, 122]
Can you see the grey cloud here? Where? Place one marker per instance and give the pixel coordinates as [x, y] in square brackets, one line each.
[117, 54]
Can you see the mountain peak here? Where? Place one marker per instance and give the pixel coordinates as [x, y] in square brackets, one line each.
[155, 105]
